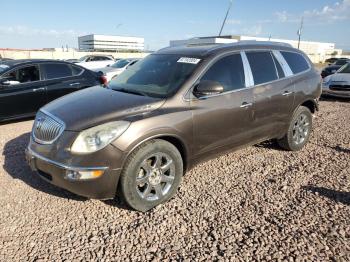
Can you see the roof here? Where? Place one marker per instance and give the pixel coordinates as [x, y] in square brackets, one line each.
[210, 49]
[28, 61]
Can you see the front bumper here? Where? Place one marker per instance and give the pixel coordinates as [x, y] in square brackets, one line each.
[336, 93]
[103, 187]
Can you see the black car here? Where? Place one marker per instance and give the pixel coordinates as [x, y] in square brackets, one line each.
[27, 85]
[329, 70]
[331, 60]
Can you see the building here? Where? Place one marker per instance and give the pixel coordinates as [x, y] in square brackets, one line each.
[108, 43]
[317, 51]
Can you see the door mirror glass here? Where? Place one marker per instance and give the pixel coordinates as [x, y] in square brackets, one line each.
[207, 88]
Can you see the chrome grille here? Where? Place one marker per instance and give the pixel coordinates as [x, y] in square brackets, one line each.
[46, 128]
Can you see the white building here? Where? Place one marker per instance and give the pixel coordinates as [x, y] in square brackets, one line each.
[110, 43]
[317, 51]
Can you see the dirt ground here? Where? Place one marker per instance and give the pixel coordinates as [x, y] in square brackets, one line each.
[260, 203]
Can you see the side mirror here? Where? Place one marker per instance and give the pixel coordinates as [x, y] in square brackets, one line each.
[207, 88]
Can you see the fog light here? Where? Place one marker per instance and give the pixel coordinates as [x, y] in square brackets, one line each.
[81, 175]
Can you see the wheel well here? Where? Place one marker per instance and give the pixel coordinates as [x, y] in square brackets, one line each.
[179, 145]
[310, 105]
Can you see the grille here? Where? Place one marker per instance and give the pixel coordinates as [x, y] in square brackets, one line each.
[340, 87]
[46, 128]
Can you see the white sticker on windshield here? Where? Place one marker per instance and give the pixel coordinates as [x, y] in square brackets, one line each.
[188, 60]
[4, 66]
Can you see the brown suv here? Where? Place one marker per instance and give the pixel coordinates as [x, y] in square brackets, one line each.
[173, 109]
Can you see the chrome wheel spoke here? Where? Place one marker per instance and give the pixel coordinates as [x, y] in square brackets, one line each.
[158, 189]
[146, 166]
[147, 191]
[166, 166]
[142, 180]
[157, 161]
[167, 179]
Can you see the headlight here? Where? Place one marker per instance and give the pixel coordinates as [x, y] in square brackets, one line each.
[98, 137]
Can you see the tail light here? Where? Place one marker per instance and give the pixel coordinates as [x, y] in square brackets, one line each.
[103, 80]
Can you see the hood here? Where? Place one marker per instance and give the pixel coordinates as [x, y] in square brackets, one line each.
[97, 105]
[339, 77]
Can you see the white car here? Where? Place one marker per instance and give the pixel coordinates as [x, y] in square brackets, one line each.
[338, 84]
[117, 68]
[93, 62]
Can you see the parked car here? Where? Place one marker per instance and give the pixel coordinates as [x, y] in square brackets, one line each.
[171, 110]
[338, 84]
[117, 68]
[27, 85]
[95, 61]
[5, 59]
[329, 70]
[331, 60]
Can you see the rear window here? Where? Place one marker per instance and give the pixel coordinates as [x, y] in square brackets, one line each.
[57, 71]
[77, 70]
[262, 66]
[3, 67]
[296, 62]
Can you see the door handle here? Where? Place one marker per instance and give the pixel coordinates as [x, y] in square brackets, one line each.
[38, 89]
[74, 84]
[246, 105]
[287, 93]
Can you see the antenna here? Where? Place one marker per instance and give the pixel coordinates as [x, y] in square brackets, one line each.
[227, 12]
[300, 30]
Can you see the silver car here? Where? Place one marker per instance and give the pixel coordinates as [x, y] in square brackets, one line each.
[117, 68]
[338, 84]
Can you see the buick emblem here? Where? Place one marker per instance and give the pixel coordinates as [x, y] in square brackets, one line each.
[39, 123]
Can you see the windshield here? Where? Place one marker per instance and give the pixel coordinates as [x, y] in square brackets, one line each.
[345, 69]
[120, 63]
[83, 59]
[341, 62]
[155, 75]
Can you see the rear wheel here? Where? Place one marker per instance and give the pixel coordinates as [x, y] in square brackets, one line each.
[152, 175]
[299, 130]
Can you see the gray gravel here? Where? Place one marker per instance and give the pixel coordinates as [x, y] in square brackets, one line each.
[259, 203]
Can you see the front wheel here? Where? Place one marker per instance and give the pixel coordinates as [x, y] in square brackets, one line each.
[151, 175]
[299, 130]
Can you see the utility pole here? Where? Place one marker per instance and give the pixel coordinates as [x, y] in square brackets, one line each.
[227, 12]
[300, 31]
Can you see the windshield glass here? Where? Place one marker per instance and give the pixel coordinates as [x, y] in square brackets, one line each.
[345, 69]
[156, 75]
[341, 62]
[120, 63]
[83, 58]
[3, 67]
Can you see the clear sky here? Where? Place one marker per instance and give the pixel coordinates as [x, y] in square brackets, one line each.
[37, 24]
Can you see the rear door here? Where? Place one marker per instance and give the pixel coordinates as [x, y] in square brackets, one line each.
[22, 92]
[273, 94]
[61, 79]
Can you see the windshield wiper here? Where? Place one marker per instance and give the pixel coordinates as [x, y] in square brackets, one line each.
[135, 92]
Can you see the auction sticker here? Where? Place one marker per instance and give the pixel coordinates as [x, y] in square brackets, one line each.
[189, 60]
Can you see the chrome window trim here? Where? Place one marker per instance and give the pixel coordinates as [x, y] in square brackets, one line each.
[247, 70]
[59, 134]
[36, 155]
[285, 66]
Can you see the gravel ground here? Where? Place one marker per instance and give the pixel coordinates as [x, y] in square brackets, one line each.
[260, 203]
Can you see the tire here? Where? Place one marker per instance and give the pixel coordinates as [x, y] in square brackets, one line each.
[151, 175]
[299, 130]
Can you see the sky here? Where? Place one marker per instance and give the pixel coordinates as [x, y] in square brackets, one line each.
[39, 24]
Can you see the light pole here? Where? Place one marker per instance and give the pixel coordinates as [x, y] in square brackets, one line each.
[300, 31]
[227, 12]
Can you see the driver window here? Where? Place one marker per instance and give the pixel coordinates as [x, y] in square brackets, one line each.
[228, 71]
[23, 75]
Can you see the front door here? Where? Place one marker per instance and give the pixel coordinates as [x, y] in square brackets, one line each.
[22, 92]
[223, 121]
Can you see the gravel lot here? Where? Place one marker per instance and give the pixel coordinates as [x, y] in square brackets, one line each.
[260, 203]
